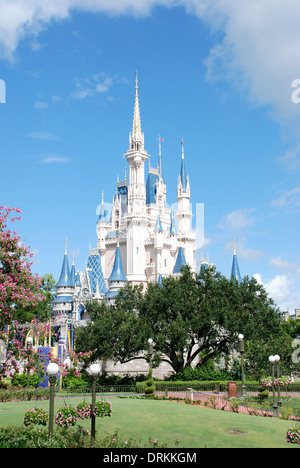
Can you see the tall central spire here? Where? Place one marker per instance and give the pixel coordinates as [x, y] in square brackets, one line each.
[136, 127]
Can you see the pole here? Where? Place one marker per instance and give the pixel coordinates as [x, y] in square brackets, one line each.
[275, 407]
[93, 419]
[242, 350]
[52, 380]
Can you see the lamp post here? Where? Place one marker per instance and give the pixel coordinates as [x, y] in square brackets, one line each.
[29, 343]
[150, 344]
[275, 407]
[242, 350]
[94, 370]
[277, 359]
[52, 371]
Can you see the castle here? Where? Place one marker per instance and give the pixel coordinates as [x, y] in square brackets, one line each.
[140, 239]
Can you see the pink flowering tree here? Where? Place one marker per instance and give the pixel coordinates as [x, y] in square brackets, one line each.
[72, 368]
[19, 287]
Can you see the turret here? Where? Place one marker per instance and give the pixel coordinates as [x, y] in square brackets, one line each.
[235, 271]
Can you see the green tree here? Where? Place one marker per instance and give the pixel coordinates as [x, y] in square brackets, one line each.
[189, 316]
[43, 307]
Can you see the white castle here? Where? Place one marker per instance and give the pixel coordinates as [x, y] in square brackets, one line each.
[140, 239]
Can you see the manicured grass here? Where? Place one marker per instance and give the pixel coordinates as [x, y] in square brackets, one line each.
[192, 426]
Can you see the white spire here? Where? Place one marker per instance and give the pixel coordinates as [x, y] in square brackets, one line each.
[136, 127]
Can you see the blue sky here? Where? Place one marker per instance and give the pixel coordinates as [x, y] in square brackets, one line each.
[220, 76]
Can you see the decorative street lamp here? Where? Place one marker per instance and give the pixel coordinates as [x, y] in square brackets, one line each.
[150, 343]
[277, 359]
[95, 371]
[29, 343]
[242, 350]
[272, 360]
[52, 371]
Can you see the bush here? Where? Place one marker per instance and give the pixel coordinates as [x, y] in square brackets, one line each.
[102, 409]
[293, 435]
[201, 373]
[84, 410]
[20, 380]
[150, 387]
[66, 416]
[36, 416]
[21, 437]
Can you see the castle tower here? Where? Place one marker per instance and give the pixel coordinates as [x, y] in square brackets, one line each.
[137, 219]
[184, 214]
[235, 271]
[117, 278]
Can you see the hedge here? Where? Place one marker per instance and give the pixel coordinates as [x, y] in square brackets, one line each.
[202, 386]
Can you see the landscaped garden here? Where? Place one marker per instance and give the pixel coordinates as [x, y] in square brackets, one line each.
[137, 422]
[189, 409]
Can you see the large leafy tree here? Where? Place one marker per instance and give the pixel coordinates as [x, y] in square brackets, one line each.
[191, 318]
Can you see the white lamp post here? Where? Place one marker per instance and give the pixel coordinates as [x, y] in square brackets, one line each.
[52, 371]
[242, 350]
[95, 371]
[150, 343]
[29, 343]
[272, 360]
[277, 359]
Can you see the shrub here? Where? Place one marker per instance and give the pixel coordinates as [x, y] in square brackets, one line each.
[21, 380]
[293, 435]
[84, 410]
[66, 416]
[21, 437]
[36, 416]
[102, 409]
[150, 388]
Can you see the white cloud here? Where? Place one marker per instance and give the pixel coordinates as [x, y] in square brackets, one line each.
[86, 87]
[256, 47]
[246, 253]
[288, 200]
[238, 219]
[291, 158]
[280, 290]
[40, 105]
[54, 160]
[280, 264]
[42, 135]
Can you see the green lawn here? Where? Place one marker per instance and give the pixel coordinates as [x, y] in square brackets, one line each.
[167, 421]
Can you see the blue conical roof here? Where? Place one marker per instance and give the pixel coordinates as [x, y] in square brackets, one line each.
[180, 260]
[183, 175]
[158, 226]
[72, 274]
[65, 275]
[160, 280]
[235, 271]
[172, 225]
[117, 273]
